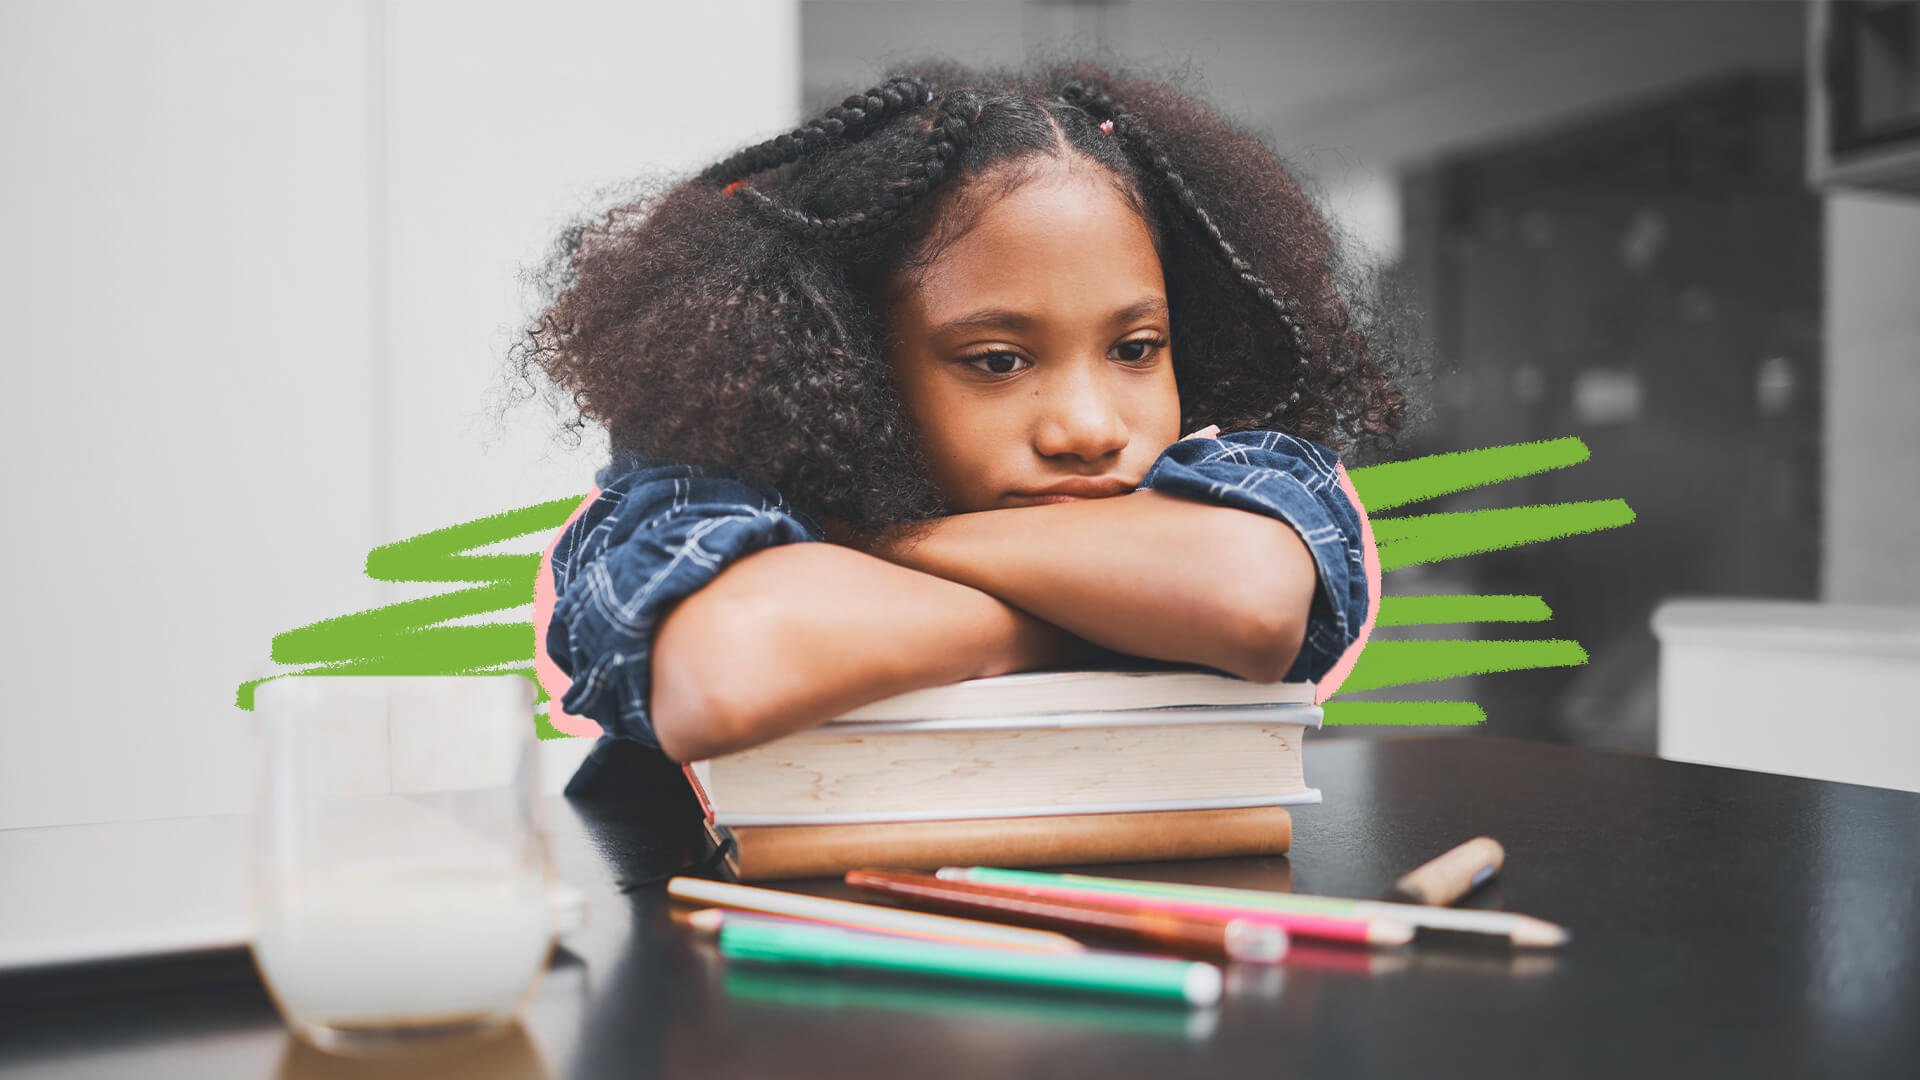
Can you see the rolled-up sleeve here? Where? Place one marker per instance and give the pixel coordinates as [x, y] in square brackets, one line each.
[652, 537]
[1296, 481]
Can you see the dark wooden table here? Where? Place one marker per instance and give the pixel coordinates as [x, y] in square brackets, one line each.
[1725, 923]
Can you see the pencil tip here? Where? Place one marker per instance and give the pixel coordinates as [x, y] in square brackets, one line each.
[1389, 932]
[1538, 933]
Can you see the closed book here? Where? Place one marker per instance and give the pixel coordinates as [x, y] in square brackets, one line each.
[1010, 767]
[768, 852]
[1128, 683]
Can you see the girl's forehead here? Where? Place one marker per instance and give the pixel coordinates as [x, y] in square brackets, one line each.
[1063, 239]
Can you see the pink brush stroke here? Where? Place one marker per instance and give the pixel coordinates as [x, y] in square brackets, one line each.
[552, 679]
[1330, 682]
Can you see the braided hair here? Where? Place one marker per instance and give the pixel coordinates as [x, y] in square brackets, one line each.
[737, 319]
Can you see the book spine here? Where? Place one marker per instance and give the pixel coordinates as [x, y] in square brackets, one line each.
[768, 852]
[699, 792]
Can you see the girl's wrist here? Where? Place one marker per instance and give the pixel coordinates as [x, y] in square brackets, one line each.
[1037, 645]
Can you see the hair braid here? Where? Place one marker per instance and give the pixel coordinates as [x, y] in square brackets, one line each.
[952, 127]
[1102, 106]
[850, 118]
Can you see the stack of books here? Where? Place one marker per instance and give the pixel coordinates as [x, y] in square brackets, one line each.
[1039, 768]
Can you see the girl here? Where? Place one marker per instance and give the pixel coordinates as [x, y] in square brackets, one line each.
[896, 400]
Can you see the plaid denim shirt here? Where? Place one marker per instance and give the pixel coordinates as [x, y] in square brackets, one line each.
[658, 532]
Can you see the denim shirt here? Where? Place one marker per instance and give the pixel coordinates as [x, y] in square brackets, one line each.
[658, 532]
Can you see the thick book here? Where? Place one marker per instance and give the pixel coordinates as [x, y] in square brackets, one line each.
[768, 852]
[1124, 686]
[1132, 761]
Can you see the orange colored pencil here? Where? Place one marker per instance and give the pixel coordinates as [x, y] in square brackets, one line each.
[1251, 940]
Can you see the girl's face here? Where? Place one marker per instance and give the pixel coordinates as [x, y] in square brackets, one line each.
[1033, 353]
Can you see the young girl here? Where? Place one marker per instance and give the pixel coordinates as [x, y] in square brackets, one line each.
[896, 399]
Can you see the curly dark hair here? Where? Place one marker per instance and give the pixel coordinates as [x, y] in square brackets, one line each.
[734, 319]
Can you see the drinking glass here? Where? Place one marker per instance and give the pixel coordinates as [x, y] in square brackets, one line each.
[400, 866]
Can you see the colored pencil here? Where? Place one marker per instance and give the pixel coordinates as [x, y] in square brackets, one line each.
[1251, 940]
[1111, 973]
[1300, 924]
[1451, 876]
[866, 916]
[1520, 930]
[710, 920]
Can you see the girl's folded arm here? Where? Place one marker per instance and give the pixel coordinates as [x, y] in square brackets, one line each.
[691, 615]
[1241, 553]
[789, 637]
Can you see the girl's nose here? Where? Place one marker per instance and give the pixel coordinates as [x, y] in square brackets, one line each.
[1078, 418]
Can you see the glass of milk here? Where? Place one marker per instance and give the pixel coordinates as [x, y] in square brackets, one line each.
[400, 866]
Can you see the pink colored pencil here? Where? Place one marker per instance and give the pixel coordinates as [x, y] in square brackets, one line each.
[1321, 927]
[709, 921]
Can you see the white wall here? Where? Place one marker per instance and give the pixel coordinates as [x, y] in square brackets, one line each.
[259, 264]
[1871, 526]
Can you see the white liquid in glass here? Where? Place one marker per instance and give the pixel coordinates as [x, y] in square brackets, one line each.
[406, 947]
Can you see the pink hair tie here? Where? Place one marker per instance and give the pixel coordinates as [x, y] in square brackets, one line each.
[1106, 126]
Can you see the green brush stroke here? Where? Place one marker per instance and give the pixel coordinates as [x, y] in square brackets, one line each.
[404, 638]
[1430, 610]
[1403, 713]
[411, 637]
[1431, 538]
[1397, 483]
[1397, 663]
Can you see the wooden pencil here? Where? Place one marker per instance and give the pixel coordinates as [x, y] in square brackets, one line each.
[1250, 940]
[1300, 924]
[820, 909]
[1450, 876]
[711, 920]
[1520, 930]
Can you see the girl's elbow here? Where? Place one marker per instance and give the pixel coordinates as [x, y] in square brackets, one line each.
[698, 708]
[687, 721]
[1272, 629]
[1269, 644]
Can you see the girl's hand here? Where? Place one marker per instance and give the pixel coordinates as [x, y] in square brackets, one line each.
[1211, 431]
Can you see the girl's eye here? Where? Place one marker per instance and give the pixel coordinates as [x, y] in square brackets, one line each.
[997, 363]
[1148, 348]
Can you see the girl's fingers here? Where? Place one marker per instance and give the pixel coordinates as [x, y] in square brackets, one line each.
[1208, 432]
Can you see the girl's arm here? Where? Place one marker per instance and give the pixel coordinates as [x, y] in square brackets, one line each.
[1145, 573]
[792, 636]
[1241, 552]
[697, 612]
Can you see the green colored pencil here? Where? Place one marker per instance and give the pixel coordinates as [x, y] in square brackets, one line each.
[1114, 973]
[1518, 929]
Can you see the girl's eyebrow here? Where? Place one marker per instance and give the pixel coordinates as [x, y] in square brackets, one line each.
[1004, 319]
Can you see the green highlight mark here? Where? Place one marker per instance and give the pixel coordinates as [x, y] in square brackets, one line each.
[1431, 538]
[1397, 663]
[1397, 483]
[1431, 610]
[409, 637]
[1403, 713]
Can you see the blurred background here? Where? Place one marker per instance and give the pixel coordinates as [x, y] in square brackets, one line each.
[266, 264]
